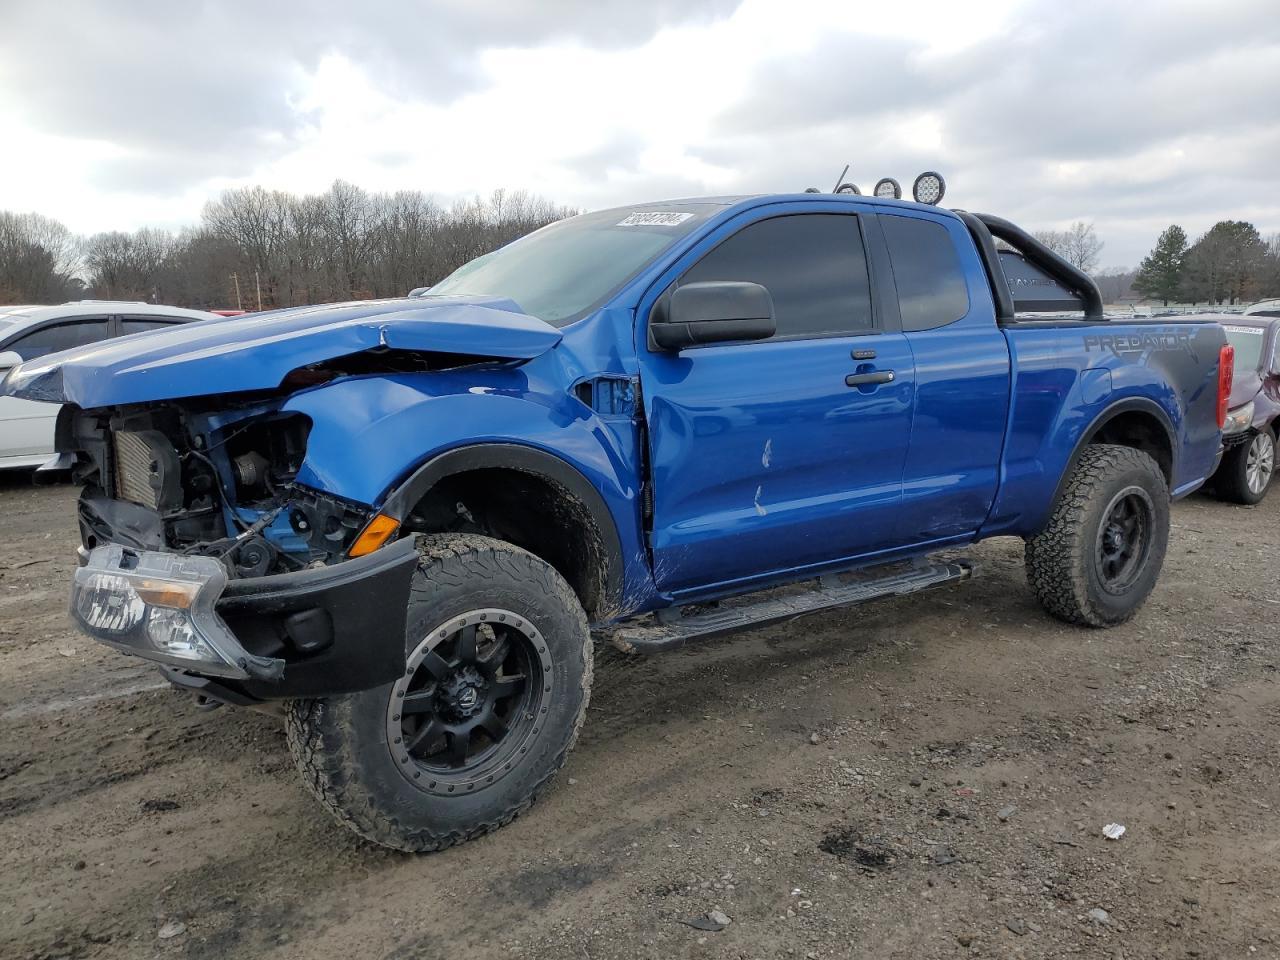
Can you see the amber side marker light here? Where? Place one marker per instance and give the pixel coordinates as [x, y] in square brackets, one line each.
[374, 535]
[162, 593]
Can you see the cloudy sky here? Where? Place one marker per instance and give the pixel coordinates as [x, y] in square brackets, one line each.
[1132, 115]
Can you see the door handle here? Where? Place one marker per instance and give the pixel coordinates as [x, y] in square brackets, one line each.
[864, 379]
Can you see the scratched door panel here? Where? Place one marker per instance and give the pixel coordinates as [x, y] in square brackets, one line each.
[780, 467]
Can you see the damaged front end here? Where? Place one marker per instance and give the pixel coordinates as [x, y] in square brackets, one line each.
[209, 483]
[200, 552]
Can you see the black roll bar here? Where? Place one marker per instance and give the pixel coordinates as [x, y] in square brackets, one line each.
[1069, 275]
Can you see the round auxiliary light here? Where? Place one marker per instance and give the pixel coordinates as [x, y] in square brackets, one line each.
[888, 188]
[929, 187]
[812, 190]
[848, 188]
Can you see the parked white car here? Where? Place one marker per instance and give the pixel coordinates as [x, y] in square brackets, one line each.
[28, 332]
[1263, 308]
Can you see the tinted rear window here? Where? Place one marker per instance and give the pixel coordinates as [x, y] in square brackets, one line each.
[926, 269]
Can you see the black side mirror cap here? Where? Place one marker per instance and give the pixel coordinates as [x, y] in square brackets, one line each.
[714, 311]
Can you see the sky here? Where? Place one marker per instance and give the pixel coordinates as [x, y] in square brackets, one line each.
[1128, 115]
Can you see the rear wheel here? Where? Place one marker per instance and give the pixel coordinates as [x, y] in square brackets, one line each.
[495, 688]
[1247, 468]
[1098, 558]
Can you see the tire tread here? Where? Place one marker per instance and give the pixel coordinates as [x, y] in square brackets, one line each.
[314, 727]
[1053, 557]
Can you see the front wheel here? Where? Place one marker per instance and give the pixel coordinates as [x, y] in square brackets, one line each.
[495, 689]
[1247, 468]
[1097, 559]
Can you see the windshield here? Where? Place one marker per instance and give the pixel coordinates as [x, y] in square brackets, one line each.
[560, 272]
[1248, 344]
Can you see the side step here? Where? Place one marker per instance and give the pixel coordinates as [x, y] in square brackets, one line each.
[670, 629]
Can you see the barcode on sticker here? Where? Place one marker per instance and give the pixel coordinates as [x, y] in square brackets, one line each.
[654, 218]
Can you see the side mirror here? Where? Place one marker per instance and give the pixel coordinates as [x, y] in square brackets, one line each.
[9, 359]
[713, 312]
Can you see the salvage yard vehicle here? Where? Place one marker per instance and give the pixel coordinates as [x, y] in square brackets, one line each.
[1253, 415]
[1263, 308]
[399, 521]
[29, 332]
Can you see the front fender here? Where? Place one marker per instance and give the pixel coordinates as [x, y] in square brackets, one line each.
[371, 435]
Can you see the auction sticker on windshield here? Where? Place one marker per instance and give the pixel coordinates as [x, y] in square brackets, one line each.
[1255, 330]
[654, 218]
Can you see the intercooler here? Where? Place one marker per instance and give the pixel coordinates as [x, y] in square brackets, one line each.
[145, 468]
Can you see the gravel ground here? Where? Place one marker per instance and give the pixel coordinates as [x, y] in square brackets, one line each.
[925, 777]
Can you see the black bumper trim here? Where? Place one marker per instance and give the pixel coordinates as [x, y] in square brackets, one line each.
[339, 629]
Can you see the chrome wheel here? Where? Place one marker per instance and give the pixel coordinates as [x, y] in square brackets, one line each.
[1261, 462]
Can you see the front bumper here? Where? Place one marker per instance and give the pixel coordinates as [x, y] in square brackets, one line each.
[317, 632]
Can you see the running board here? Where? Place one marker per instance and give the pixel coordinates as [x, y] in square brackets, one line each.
[670, 629]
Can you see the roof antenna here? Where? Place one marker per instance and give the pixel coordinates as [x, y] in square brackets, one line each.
[840, 179]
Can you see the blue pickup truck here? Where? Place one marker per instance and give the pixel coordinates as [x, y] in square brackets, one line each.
[400, 522]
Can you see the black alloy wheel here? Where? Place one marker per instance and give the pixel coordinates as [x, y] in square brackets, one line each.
[469, 702]
[1124, 538]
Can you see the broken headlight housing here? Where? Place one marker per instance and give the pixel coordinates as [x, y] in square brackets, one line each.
[159, 606]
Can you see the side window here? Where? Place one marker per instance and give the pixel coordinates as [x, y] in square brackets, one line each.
[926, 269]
[60, 336]
[813, 265]
[130, 325]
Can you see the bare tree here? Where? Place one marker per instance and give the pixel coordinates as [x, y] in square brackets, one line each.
[129, 266]
[1116, 284]
[1078, 244]
[39, 259]
[344, 243]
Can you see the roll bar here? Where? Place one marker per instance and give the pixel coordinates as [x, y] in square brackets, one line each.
[984, 226]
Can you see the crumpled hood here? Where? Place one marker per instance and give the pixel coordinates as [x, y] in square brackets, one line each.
[256, 352]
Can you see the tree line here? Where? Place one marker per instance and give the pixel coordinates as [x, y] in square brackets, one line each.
[258, 249]
[1230, 263]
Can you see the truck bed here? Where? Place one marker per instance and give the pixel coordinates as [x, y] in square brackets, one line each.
[1067, 373]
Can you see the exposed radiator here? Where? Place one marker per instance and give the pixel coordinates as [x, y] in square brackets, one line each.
[134, 469]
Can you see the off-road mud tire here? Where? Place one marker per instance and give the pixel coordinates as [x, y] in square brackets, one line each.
[1062, 561]
[341, 744]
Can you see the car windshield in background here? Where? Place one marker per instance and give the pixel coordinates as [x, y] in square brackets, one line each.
[560, 272]
[1248, 344]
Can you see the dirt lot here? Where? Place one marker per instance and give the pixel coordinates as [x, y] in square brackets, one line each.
[919, 778]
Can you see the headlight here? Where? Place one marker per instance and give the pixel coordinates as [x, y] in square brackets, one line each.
[1239, 419]
[160, 606]
[106, 602]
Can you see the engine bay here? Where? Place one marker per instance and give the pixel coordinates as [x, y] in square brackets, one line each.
[207, 482]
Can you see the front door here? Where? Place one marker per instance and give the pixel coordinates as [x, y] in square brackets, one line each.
[786, 453]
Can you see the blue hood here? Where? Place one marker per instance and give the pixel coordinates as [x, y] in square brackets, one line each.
[256, 352]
